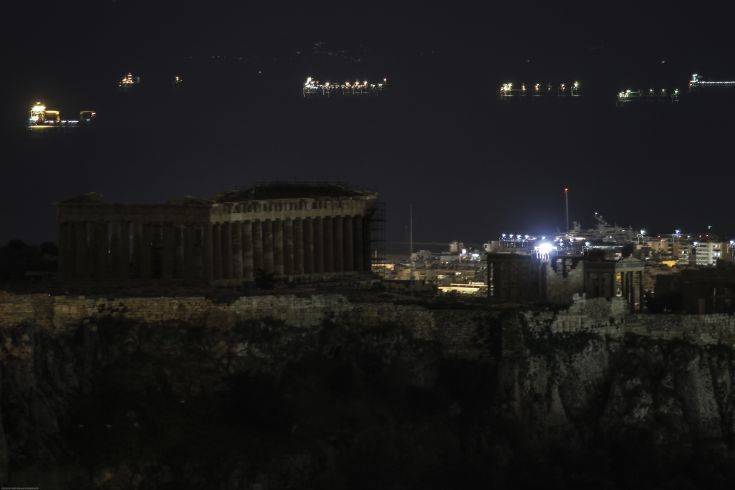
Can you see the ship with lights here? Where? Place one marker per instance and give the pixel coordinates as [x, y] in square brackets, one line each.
[697, 82]
[315, 88]
[651, 95]
[539, 90]
[128, 82]
[42, 117]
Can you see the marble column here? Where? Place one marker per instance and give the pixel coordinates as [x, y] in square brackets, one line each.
[81, 259]
[168, 255]
[136, 231]
[217, 251]
[66, 251]
[298, 247]
[328, 245]
[268, 248]
[349, 247]
[248, 268]
[226, 250]
[308, 249]
[102, 247]
[123, 263]
[288, 247]
[319, 247]
[278, 247]
[189, 255]
[199, 251]
[367, 245]
[145, 249]
[258, 262]
[358, 243]
[236, 227]
[339, 262]
[209, 252]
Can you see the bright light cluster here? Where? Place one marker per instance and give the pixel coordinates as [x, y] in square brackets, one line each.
[630, 94]
[507, 89]
[544, 250]
[42, 117]
[128, 81]
[37, 112]
[315, 87]
[697, 82]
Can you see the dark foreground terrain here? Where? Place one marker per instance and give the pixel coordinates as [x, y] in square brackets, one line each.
[115, 404]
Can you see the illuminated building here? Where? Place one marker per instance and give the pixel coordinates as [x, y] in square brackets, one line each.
[707, 253]
[313, 87]
[287, 231]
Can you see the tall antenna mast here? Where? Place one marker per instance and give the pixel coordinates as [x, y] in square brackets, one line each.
[566, 204]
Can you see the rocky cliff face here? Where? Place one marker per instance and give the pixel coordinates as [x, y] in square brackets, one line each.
[434, 399]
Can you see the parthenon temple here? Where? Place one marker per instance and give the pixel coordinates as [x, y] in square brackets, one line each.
[292, 231]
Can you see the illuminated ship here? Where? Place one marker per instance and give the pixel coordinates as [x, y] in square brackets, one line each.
[128, 82]
[314, 87]
[42, 117]
[651, 95]
[697, 82]
[510, 91]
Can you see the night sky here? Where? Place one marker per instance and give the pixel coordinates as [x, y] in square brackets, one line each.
[471, 165]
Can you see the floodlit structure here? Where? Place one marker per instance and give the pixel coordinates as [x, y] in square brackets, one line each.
[313, 87]
[288, 231]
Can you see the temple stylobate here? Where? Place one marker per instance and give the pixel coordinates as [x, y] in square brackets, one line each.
[292, 231]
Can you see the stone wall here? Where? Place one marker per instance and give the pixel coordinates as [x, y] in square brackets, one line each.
[456, 328]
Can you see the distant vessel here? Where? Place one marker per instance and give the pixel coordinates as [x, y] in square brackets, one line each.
[128, 82]
[666, 95]
[313, 87]
[510, 90]
[41, 117]
[697, 82]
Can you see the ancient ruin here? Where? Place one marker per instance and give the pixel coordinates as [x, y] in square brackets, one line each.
[290, 231]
